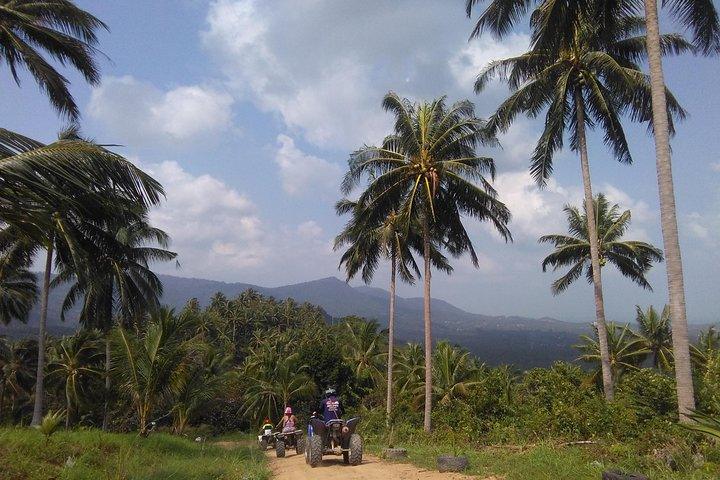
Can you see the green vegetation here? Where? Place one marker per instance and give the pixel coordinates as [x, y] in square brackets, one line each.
[92, 454]
[207, 370]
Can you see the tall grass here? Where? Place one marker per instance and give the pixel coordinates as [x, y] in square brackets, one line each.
[25, 455]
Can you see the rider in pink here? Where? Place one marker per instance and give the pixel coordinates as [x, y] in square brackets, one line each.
[289, 421]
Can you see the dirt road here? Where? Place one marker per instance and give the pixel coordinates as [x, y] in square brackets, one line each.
[293, 467]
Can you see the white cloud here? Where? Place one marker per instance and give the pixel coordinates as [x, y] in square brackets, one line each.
[322, 67]
[303, 174]
[715, 166]
[309, 229]
[218, 233]
[213, 227]
[517, 143]
[641, 211]
[140, 112]
[535, 211]
[330, 104]
[697, 226]
[468, 62]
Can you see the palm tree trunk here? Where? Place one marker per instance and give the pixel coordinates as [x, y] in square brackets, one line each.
[40, 378]
[107, 383]
[668, 220]
[2, 401]
[594, 251]
[428, 326]
[391, 338]
[68, 405]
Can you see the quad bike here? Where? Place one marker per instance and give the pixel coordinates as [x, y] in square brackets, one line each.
[266, 437]
[284, 440]
[332, 437]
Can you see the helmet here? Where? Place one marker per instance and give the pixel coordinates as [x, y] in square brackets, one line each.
[330, 391]
[288, 411]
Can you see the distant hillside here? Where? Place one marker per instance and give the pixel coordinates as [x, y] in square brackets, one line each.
[522, 341]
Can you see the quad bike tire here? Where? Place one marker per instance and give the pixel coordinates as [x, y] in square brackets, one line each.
[300, 445]
[263, 444]
[315, 450]
[354, 456]
[280, 449]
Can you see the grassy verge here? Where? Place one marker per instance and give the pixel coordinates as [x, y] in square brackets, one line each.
[26, 455]
[549, 462]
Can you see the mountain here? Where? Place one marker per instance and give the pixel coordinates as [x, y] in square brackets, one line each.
[522, 341]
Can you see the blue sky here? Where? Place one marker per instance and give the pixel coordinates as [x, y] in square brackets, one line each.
[247, 110]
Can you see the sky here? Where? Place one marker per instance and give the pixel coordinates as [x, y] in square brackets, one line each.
[247, 110]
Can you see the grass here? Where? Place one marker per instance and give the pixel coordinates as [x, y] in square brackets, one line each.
[73, 455]
[549, 462]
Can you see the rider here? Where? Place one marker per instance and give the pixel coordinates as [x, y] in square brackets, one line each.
[265, 425]
[288, 421]
[330, 405]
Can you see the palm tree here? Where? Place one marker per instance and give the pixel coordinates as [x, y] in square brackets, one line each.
[589, 78]
[199, 384]
[656, 335]
[708, 344]
[410, 368]
[363, 348]
[455, 373]
[116, 279]
[73, 360]
[632, 258]
[81, 182]
[272, 389]
[702, 17]
[551, 23]
[426, 171]
[18, 290]
[17, 363]
[627, 351]
[61, 29]
[388, 239]
[149, 364]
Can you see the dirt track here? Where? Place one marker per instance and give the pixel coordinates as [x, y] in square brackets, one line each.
[293, 467]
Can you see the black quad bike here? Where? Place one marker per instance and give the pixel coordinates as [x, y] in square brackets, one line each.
[332, 437]
[266, 437]
[285, 440]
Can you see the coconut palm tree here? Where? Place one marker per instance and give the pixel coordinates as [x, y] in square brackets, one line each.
[588, 79]
[150, 364]
[63, 31]
[18, 288]
[702, 18]
[199, 384]
[18, 362]
[632, 258]
[426, 171]
[87, 183]
[708, 344]
[627, 351]
[271, 390]
[656, 335]
[74, 360]
[391, 240]
[116, 280]
[551, 23]
[410, 368]
[363, 348]
[455, 373]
